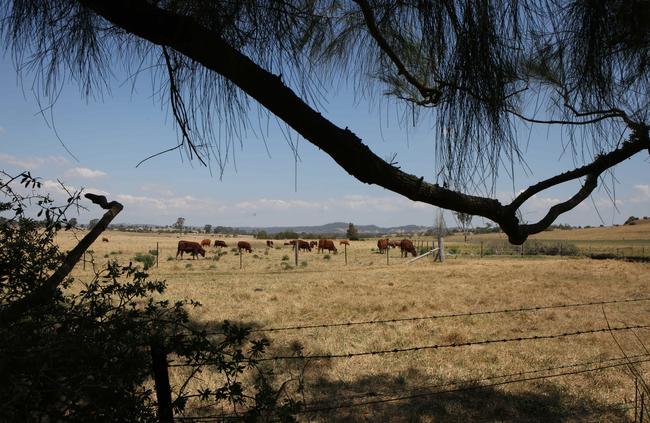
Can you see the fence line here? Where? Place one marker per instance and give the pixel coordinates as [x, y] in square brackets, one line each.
[635, 359]
[454, 345]
[461, 389]
[474, 384]
[444, 316]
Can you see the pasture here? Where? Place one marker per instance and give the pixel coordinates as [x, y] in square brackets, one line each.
[438, 372]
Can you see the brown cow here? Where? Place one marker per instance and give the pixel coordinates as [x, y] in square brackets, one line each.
[191, 247]
[406, 246]
[393, 244]
[205, 243]
[244, 245]
[269, 243]
[304, 245]
[326, 244]
[313, 244]
[344, 242]
[219, 243]
[104, 239]
[382, 244]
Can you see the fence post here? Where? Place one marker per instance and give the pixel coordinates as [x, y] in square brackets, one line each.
[345, 248]
[157, 254]
[387, 251]
[441, 250]
[481, 249]
[296, 248]
[522, 249]
[84, 260]
[161, 380]
[241, 260]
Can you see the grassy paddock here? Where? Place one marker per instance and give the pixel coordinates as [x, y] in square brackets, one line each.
[267, 293]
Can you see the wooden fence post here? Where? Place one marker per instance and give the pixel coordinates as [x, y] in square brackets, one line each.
[441, 249]
[241, 260]
[387, 251]
[84, 260]
[157, 254]
[296, 248]
[161, 381]
[481, 249]
[345, 248]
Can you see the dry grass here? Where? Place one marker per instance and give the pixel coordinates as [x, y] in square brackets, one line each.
[264, 295]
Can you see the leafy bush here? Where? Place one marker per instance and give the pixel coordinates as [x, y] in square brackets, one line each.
[147, 260]
[153, 252]
[285, 258]
[327, 257]
[84, 354]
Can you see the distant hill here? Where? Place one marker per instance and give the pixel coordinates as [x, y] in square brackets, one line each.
[337, 228]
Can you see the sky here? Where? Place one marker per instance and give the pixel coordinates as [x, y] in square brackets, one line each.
[262, 185]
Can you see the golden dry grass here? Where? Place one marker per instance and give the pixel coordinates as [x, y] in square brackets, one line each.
[264, 295]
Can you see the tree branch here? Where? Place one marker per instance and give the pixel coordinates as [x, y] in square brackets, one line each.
[431, 96]
[47, 291]
[206, 47]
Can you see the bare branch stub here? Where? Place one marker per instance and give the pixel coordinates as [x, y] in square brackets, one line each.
[47, 291]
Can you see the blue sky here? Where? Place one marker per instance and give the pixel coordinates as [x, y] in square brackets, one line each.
[109, 136]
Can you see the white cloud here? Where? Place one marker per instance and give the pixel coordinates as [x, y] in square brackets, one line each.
[271, 204]
[157, 189]
[32, 162]
[171, 205]
[84, 172]
[347, 202]
[642, 194]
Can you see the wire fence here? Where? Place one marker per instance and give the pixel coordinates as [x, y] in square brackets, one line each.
[371, 398]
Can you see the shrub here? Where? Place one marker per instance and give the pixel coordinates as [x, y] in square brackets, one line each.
[286, 266]
[153, 252]
[327, 257]
[285, 258]
[147, 260]
[303, 263]
[188, 266]
[170, 258]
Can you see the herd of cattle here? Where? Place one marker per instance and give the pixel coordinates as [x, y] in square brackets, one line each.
[194, 248]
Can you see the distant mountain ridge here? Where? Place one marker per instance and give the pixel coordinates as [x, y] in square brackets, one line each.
[337, 228]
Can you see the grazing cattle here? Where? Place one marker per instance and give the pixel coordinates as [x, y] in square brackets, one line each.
[382, 245]
[312, 244]
[326, 244]
[205, 243]
[406, 246]
[104, 239]
[393, 244]
[219, 243]
[289, 243]
[344, 242]
[191, 247]
[304, 245]
[243, 245]
[269, 244]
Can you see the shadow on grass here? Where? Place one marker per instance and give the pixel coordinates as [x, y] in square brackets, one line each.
[378, 396]
[416, 397]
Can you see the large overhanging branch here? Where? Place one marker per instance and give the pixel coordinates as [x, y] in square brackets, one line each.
[195, 41]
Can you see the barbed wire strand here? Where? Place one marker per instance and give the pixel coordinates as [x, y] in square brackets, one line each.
[443, 316]
[460, 389]
[425, 394]
[452, 345]
[641, 358]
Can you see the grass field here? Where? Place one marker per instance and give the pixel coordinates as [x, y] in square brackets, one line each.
[449, 383]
